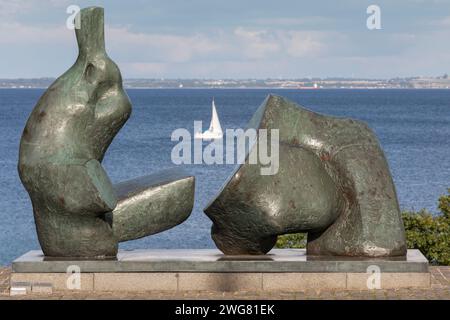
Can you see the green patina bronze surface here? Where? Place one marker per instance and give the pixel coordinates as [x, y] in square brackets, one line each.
[333, 182]
[78, 212]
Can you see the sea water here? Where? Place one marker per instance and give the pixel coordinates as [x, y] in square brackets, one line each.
[413, 127]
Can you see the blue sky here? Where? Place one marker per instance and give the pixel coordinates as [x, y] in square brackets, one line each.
[234, 39]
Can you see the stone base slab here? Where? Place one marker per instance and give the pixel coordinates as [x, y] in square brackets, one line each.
[209, 270]
[223, 282]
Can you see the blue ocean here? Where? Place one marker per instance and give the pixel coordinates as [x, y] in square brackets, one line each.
[412, 125]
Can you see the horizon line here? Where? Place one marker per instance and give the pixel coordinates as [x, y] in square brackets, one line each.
[250, 78]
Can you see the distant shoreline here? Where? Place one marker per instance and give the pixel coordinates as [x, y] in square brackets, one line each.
[442, 82]
[240, 88]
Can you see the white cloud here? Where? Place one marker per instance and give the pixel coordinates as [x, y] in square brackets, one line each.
[144, 69]
[9, 8]
[292, 22]
[240, 43]
[262, 44]
[304, 44]
[255, 44]
[201, 54]
[443, 22]
[284, 49]
[161, 47]
[19, 34]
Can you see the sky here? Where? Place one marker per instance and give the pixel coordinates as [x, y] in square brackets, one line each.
[234, 38]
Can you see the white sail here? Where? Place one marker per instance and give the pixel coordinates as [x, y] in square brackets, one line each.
[215, 129]
[215, 123]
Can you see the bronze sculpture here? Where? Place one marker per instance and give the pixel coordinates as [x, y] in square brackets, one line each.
[333, 182]
[78, 212]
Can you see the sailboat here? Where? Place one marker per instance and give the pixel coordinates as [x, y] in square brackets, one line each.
[215, 130]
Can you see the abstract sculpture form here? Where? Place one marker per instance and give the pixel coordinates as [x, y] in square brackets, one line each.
[78, 212]
[333, 183]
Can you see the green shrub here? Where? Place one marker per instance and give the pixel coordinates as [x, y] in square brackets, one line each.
[430, 234]
[295, 240]
[444, 205]
[424, 231]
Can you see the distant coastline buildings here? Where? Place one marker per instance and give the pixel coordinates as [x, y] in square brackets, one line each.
[442, 82]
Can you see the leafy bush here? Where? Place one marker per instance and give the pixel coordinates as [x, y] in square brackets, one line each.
[295, 240]
[430, 234]
[424, 231]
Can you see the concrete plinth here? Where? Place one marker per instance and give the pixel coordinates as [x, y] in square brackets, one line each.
[209, 270]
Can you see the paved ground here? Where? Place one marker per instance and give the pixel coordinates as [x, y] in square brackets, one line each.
[440, 290]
